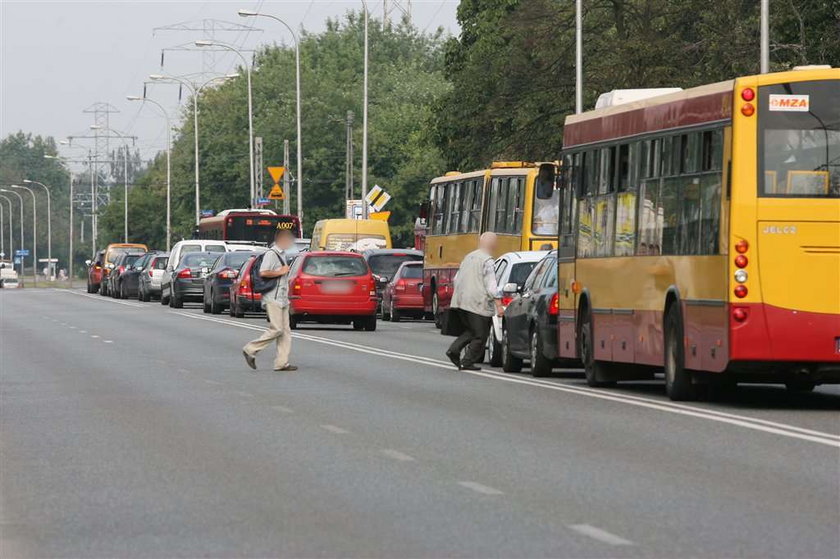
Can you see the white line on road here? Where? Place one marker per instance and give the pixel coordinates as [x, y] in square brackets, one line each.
[102, 299]
[82, 331]
[480, 488]
[282, 409]
[397, 455]
[183, 370]
[72, 327]
[782, 429]
[94, 336]
[335, 429]
[108, 341]
[598, 534]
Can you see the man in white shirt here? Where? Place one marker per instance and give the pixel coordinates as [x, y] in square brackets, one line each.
[476, 299]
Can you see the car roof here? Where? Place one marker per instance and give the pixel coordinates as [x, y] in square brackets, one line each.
[525, 255]
[320, 253]
[377, 251]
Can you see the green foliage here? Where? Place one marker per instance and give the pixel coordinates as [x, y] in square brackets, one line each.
[406, 78]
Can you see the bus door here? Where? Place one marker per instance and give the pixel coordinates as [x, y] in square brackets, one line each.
[566, 251]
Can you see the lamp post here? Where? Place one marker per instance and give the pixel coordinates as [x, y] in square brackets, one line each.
[49, 224]
[34, 232]
[207, 43]
[195, 92]
[125, 176]
[365, 121]
[22, 242]
[765, 36]
[249, 13]
[168, 166]
[578, 56]
[11, 238]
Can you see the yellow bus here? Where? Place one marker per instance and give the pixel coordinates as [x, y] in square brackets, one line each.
[700, 233]
[515, 199]
[350, 234]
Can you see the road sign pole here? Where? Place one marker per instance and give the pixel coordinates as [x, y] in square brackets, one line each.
[287, 207]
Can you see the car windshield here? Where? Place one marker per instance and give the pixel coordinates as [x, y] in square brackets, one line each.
[198, 260]
[412, 272]
[386, 264]
[519, 272]
[215, 248]
[130, 259]
[160, 263]
[546, 214]
[334, 266]
[235, 259]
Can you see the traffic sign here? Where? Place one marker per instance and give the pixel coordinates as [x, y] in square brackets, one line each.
[377, 198]
[207, 213]
[381, 216]
[261, 201]
[276, 193]
[276, 173]
[22, 252]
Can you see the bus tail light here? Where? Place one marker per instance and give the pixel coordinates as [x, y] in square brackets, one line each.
[747, 109]
[742, 246]
[185, 273]
[741, 276]
[554, 305]
[741, 261]
[748, 94]
[740, 291]
[739, 314]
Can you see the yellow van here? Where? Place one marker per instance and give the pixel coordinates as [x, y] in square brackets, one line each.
[350, 234]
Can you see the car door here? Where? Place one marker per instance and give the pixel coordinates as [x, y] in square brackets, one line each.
[516, 317]
[538, 305]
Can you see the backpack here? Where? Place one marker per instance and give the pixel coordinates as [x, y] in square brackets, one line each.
[260, 284]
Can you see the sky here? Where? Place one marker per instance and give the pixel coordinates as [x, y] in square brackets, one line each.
[59, 58]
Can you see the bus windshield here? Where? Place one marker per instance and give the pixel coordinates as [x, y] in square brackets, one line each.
[799, 139]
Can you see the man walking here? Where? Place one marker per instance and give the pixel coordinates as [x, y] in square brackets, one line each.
[476, 298]
[276, 302]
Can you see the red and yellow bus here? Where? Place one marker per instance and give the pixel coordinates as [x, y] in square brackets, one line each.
[700, 232]
[246, 225]
[515, 199]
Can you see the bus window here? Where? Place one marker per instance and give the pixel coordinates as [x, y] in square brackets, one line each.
[650, 219]
[474, 222]
[516, 192]
[623, 167]
[670, 207]
[625, 224]
[605, 182]
[454, 207]
[546, 214]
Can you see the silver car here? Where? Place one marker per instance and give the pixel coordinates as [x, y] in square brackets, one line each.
[148, 283]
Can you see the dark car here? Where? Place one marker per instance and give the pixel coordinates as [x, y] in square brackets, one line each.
[242, 296]
[94, 272]
[148, 281]
[130, 279]
[187, 283]
[530, 321]
[402, 296]
[218, 281]
[122, 263]
[384, 263]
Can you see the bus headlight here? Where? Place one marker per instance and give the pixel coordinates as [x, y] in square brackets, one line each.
[741, 276]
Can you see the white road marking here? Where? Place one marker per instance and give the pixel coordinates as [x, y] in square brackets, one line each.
[397, 455]
[282, 409]
[335, 429]
[208, 381]
[94, 336]
[183, 370]
[102, 299]
[756, 424]
[72, 327]
[480, 488]
[598, 534]
[82, 331]
[108, 341]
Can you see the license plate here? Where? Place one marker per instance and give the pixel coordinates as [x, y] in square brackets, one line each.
[336, 287]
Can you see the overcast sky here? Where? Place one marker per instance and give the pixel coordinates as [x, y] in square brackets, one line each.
[58, 58]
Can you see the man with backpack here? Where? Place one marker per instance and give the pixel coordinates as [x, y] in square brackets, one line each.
[272, 280]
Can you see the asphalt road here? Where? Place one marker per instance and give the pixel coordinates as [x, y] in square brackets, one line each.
[132, 429]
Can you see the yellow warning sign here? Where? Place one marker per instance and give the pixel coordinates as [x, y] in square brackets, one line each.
[276, 173]
[381, 216]
[276, 193]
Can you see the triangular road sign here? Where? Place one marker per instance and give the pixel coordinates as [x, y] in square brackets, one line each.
[276, 173]
[276, 193]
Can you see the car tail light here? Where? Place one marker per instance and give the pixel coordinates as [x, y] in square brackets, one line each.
[739, 314]
[121, 270]
[554, 305]
[296, 287]
[185, 273]
[228, 274]
[399, 286]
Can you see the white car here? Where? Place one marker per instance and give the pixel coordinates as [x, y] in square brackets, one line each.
[510, 268]
[181, 248]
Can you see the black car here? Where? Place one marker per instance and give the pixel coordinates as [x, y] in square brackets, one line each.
[129, 280]
[187, 282]
[218, 281]
[530, 321]
[384, 263]
[122, 263]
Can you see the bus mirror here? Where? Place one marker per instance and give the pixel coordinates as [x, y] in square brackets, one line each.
[545, 181]
[424, 210]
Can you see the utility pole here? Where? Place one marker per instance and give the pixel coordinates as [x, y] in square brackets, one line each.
[765, 36]
[578, 56]
[287, 207]
[258, 158]
[348, 164]
[399, 7]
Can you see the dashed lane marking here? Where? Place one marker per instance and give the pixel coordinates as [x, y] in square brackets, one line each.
[102, 299]
[480, 488]
[282, 409]
[335, 429]
[397, 455]
[108, 341]
[94, 336]
[598, 534]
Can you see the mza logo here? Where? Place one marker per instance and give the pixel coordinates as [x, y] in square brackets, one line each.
[796, 103]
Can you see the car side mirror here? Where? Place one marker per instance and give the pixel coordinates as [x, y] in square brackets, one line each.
[88, 262]
[510, 289]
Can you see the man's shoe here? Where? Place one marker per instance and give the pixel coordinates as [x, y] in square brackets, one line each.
[287, 368]
[249, 359]
[465, 367]
[455, 358]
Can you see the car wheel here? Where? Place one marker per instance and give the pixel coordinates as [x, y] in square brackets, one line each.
[89, 288]
[123, 294]
[175, 302]
[205, 305]
[384, 315]
[232, 308]
[215, 307]
[510, 362]
[140, 293]
[394, 313]
[678, 382]
[370, 323]
[540, 366]
[293, 322]
[494, 351]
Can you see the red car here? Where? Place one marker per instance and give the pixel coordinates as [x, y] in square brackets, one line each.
[333, 288]
[94, 279]
[242, 296]
[403, 296]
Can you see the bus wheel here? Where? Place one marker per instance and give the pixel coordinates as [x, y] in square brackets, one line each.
[438, 316]
[678, 381]
[597, 372]
[800, 386]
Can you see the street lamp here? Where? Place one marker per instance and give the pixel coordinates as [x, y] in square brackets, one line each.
[34, 232]
[250, 13]
[365, 121]
[22, 241]
[11, 238]
[49, 224]
[195, 92]
[168, 166]
[207, 43]
[125, 176]
[70, 250]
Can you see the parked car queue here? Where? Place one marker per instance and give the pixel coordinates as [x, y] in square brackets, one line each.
[337, 287]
